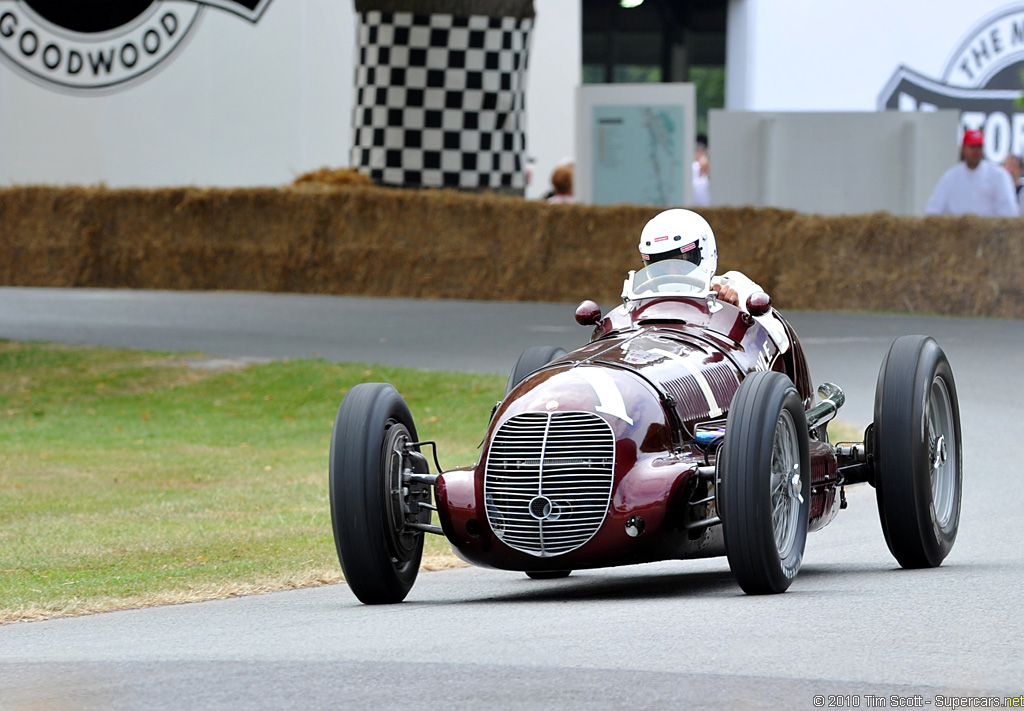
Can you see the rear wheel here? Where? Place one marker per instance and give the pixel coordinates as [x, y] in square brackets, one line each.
[370, 504]
[533, 358]
[918, 461]
[765, 485]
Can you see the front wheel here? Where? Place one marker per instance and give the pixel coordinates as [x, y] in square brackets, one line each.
[764, 488]
[918, 462]
[370, 503]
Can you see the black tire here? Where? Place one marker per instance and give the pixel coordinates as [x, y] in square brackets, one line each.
[764, 491]
[548, 574]
[533, 358]
[379, 556]
[918, 461]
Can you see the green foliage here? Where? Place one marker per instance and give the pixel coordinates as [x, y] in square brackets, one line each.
[710, 87]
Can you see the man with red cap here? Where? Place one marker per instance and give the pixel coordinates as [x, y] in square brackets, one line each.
[974, 185]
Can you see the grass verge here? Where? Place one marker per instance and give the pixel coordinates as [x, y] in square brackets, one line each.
[131, 479]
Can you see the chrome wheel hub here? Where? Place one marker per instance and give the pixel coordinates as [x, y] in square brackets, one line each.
[939, 454]
[796, 485]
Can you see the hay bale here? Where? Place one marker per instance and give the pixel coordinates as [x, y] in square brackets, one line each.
[332, 233]
[333, 176]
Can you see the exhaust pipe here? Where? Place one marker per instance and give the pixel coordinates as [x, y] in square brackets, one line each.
[832, 398]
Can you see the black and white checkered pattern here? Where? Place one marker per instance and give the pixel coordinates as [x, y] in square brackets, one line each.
[441, 100]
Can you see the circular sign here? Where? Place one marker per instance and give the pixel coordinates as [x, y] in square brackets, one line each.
[92, 45]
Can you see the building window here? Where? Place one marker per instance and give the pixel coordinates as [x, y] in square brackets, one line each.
[658, 41]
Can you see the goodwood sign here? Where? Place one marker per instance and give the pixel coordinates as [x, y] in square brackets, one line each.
[982, 79]
[93, 46]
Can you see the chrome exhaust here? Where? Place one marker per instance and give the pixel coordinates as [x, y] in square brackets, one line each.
[832, 398]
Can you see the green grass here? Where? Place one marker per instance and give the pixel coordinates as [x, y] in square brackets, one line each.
[132, 478]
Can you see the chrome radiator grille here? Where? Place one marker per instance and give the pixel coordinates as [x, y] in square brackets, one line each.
[548, 480]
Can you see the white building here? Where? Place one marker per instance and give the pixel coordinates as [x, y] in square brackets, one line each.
[256, 92]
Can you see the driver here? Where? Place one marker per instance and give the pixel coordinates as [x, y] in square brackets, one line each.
[685, 235]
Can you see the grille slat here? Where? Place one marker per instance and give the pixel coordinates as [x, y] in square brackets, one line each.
[548, 480]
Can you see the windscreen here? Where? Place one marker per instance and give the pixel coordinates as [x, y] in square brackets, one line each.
[670, 276]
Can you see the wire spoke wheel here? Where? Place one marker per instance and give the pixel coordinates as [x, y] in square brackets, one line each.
[402, 542]
[918, 467]
[370, 503]
[786, 480]
[943, 452]
[764, 488]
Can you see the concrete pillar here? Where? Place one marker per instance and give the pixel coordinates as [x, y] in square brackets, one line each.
[440, 93]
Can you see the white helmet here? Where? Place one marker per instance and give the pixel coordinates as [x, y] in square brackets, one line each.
[680, 234]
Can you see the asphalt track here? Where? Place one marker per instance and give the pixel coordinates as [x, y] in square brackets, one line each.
[671, 635]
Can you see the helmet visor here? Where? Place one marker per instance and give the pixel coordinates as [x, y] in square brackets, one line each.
[689, 252]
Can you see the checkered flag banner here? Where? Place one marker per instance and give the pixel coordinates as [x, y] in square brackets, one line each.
[440, 98]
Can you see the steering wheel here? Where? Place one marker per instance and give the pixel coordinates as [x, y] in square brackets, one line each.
[658, 281]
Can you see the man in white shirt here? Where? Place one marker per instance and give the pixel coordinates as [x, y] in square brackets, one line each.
[974, 185]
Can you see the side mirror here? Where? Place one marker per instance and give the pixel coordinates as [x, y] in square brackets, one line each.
[588, 313]
[758, 303]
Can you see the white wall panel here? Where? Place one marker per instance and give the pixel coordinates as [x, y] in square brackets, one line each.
[242, 103]
[830, 163]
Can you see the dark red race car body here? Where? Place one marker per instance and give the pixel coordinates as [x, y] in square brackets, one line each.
[686, 428]
[602, 457]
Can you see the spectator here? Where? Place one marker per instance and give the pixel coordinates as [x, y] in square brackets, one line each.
[561, 184]
[974, 186]
[530, 161]
[1013, 165]
[701, 183]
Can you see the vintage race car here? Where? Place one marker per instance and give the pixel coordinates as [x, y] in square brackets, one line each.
[685, 428]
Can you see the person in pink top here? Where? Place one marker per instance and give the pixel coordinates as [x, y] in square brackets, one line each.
[974, 185]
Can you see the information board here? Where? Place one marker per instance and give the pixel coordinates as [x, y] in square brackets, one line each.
[635, 144]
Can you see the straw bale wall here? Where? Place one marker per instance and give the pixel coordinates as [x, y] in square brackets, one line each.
[336, 236]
